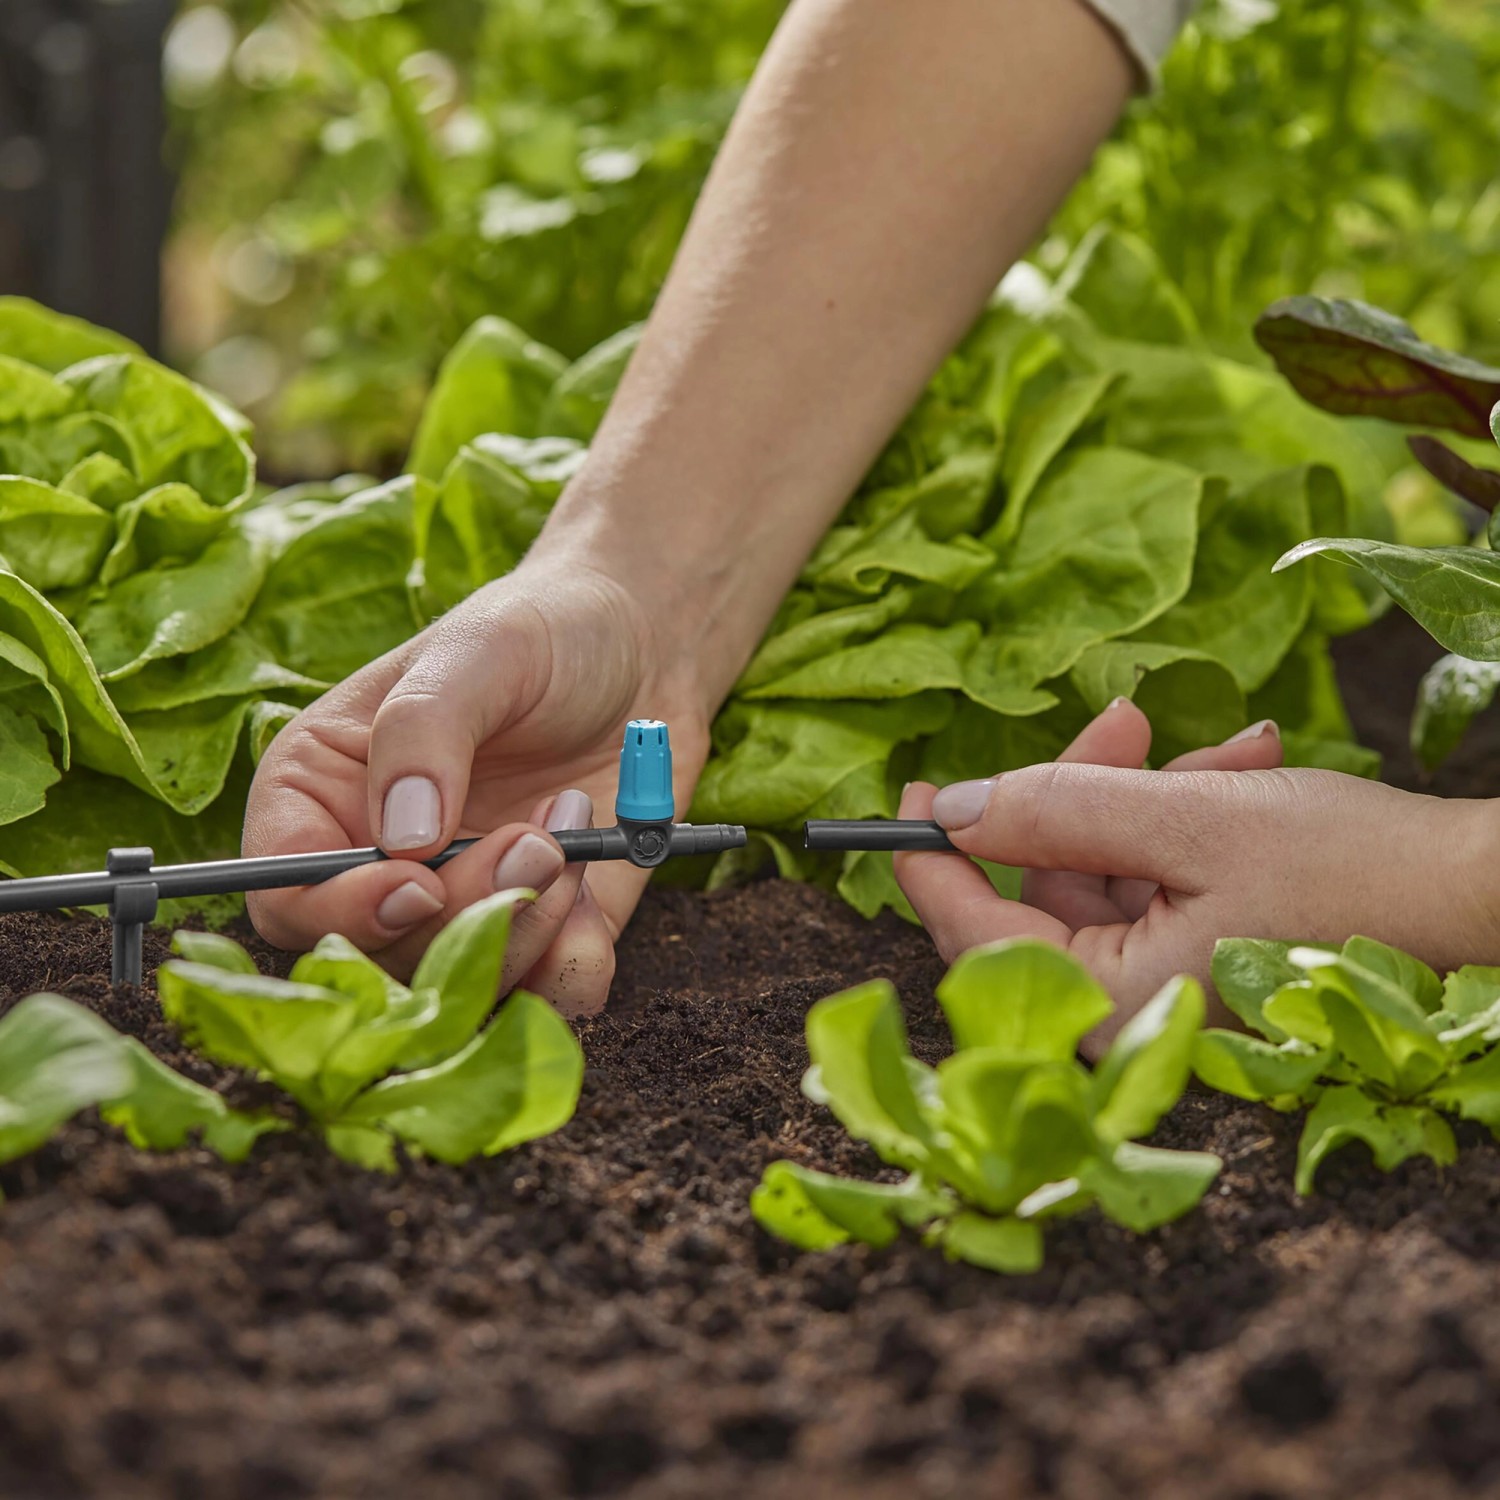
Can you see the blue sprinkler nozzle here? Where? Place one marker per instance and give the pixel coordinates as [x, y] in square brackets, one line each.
[645, 794]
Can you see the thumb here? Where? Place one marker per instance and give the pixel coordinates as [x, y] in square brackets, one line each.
[453, 697]
[1096, 820]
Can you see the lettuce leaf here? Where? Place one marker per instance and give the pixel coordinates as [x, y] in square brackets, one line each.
[57, 1058]
[1007, 1131]
[1368, 1038]
[1084, 503]
[130, 555]
[372, 1061]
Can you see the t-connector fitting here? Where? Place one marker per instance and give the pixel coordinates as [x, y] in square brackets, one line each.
[644, 832]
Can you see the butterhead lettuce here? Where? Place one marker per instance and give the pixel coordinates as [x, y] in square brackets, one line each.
[1085, 503]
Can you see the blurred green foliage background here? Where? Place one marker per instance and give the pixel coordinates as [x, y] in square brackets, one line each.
[361, 179]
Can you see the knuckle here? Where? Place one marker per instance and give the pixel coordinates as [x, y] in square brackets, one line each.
[295, 744]
[531, 926]
[1260, 799]
[408, 706]
[1034, 802]
[1239, 807]
[1186, 827]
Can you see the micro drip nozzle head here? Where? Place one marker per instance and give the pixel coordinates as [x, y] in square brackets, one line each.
[645, 794]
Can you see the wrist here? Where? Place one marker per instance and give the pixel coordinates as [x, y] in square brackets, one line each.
[695, 625]
[681, 668]
[1465, 844]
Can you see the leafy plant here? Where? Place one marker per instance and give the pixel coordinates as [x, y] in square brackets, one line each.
[1370, 1038]
[361, 182]
[57, 1058]
[1295, 145]
[1084, 504]
[1356, 360]
[1008, 1132]
[435, 162]
[132, 554]
[373, 1062]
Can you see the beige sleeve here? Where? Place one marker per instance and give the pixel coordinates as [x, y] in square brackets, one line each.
[1146, 27]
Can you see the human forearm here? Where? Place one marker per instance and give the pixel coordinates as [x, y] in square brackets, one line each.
[890, 160]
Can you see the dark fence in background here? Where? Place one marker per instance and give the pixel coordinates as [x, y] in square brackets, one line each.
[84, 193]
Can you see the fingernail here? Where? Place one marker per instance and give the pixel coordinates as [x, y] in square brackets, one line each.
[1115, 702]
[572, 809]
[531, 861]
[412, 815]
[961, 804]
[1254, 732]
[406, 906]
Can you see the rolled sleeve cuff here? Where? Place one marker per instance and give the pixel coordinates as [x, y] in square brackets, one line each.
[1147, 28]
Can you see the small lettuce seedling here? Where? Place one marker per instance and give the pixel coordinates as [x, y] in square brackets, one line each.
[1366, 1035]
[57, 1058]
[1010, 1130]
[332, 1032]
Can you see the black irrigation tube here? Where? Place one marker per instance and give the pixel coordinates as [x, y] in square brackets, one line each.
[131, 885]
[898, 835]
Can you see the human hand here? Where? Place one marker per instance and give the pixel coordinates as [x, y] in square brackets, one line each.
[502, 720]
[1138, 873]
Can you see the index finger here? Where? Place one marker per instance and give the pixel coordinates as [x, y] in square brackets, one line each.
[308, 795]
[955, 900]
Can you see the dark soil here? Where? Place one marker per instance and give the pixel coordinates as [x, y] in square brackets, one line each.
[1379, 670]
[597, 1314]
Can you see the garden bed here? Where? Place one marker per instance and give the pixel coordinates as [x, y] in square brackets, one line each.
[596, 1314]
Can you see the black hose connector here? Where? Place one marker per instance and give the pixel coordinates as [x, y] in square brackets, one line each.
[650, 844]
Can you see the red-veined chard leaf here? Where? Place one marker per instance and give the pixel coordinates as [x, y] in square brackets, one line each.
[1356, 360]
